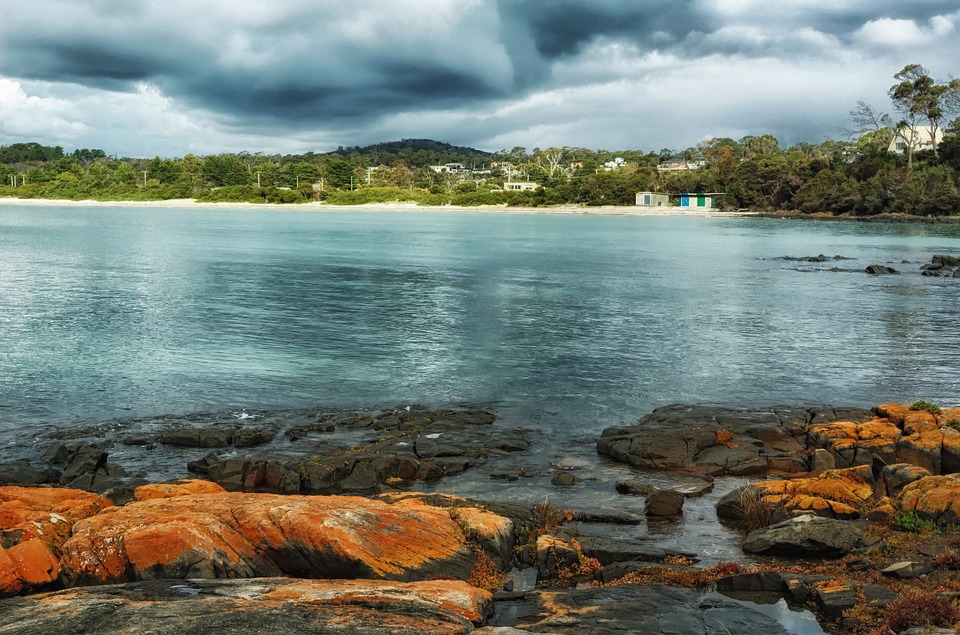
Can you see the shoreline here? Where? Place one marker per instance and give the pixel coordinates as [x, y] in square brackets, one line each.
[606, 210]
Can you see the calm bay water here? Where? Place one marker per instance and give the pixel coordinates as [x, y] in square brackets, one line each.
[576, 321]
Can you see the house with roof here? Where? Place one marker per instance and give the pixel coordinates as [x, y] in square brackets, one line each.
[922, 138]
[520, 186]
[680, 165]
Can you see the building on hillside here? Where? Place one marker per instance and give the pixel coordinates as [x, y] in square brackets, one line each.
[653, 199]
[520, 186]
[923, 139]
[679, 165]
[500, 165]
[616, 164]
[449, 168]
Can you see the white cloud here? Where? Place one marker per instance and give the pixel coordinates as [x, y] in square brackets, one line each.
[890, 32]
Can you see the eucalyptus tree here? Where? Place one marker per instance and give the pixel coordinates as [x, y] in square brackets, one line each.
[920, 98]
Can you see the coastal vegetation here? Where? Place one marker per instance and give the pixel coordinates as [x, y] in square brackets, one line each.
[907, 165]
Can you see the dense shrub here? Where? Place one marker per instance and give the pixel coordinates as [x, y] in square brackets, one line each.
[911, 521]
[925, 405]
[921, 609]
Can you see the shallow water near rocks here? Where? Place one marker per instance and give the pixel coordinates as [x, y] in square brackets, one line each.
[113, 318]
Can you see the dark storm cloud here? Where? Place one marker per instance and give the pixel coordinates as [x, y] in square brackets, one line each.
[562, 27]
[300, 81]
[477, 70]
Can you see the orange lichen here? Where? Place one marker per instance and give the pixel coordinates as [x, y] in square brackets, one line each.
[239, 534]
[177, 488]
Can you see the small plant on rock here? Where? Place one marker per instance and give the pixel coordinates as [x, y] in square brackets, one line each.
[485, 574]
[952, 423]
[921, 609]
[925, 405]
[755, 511]
[725, 438]
[911, 521]
[546, 517]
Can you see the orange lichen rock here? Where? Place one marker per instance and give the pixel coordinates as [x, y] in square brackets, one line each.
[832, 494]
[183, 487]
[492, 532]
[898, 434]
[232, 535]
[935, 498]
[45, 513]
[858, 443]
[27, 566]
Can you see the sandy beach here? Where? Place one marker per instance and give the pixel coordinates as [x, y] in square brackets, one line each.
[607, 210]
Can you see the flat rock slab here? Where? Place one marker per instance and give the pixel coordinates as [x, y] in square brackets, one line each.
[268, 605]
[231, 535]
[804, 536]
[651, 610]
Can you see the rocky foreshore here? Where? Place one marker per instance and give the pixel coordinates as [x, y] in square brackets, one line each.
[845, 512]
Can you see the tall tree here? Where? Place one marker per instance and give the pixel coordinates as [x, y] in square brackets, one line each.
[920, 98]
[872, 129]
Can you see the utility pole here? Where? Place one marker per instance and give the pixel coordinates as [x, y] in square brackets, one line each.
[258, 178]
[144, 178]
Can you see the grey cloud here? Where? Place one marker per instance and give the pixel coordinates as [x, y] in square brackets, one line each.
[315, 65]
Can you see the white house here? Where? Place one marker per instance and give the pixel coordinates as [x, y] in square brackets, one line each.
[679, 165]
[922, 139]
[520, 186]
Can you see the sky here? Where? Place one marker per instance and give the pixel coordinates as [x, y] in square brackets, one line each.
[144, 78]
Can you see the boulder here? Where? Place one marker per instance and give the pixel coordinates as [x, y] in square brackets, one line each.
[897, 476]
[708, 440]
[25, 473]
[559, 555]
[907, 570]
[852, 443]
[27, 566]
[267, 605]
[831, 494]
[880, 270]
[822, 460]
[246, 535]
[834, 599]
[44, 513]
[663, 502]
[802, 536]
[564, 478]
[935, 498]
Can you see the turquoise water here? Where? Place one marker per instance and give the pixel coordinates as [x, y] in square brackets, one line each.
[576, 321]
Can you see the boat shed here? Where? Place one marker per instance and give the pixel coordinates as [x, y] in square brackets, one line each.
[695, 200]
[653, 199]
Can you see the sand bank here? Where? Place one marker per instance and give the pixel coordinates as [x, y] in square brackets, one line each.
[608, 210]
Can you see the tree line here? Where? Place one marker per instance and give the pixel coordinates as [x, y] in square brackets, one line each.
[905, 162]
